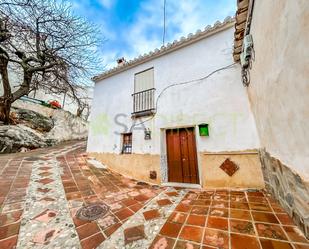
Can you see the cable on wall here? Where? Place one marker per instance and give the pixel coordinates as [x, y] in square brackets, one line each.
[164, 21]
[183, 83]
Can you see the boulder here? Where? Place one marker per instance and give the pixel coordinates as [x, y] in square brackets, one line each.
[16, 138]
[33, 119]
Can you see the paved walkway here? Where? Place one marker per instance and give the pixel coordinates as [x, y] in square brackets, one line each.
[42, 193]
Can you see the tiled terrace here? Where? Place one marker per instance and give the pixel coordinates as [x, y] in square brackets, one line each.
[41, 192]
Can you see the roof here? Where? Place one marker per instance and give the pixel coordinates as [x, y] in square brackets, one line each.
[240, 26]
[168, 48]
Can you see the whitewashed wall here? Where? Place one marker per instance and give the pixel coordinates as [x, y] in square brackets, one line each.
[279, 86]
[220, 100]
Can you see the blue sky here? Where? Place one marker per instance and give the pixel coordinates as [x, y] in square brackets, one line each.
[134, 27]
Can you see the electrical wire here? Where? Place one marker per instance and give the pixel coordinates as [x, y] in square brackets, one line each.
[183, 83]
[164, 21]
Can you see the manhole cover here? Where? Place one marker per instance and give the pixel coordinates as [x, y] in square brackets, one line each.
[92, 211]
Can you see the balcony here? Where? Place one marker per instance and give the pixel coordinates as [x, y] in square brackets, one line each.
[143, 103]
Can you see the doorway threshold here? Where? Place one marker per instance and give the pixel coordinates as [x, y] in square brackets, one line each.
[181, 185]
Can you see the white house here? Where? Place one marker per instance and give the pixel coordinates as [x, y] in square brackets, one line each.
[150, 116]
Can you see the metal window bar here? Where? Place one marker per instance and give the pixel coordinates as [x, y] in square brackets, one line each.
[127, 143]
[143, 101]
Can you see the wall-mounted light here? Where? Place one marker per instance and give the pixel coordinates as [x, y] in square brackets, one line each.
[147, 133]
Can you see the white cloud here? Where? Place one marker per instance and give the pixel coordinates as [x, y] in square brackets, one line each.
[107, 3]
[182, 17]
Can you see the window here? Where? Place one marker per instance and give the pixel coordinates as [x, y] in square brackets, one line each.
[143, 97]
[127, 143]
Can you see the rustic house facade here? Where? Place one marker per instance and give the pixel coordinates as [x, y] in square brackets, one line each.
[157, 107]
[181, 115]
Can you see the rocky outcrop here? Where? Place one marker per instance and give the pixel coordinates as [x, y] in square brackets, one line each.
[68, 127]
[33, 119]
[39, 126]
[15, 138]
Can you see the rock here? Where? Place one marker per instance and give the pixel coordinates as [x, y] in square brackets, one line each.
[33, 119]
[68, 127]
[14, 138]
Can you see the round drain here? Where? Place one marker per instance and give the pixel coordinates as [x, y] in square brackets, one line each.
[92, 211]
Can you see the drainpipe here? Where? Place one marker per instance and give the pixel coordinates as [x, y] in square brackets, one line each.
[245, 71]
[249, 17]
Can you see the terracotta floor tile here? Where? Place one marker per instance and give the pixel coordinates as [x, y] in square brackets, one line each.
[221, 198]
[177, 217]
[221, 212]
[257, 199]
[11, 217]
[274, 244]
[239, 205]
[129, 202]
[299, 246]
[244, 242]
[196, 220]
[191, 233]
[270, 231]
[151, 214]
[199, 210]
[45, 181]
[240, 214]
[164, 202]
[87, 230]
[242, 226]
[260, 206]
[277, 208]
[124, 213]
[201, 202]
[208, 247]
[237, 198]
[135, 233]
[265, 217]
[109, 231]
[285, 219]
[141, 198]
[172, 193]
[183, 208]
[9, 243]
[162, 242]
[217, 222]
[93, 241]
[46, 216]
[170, 229]
[136, 207]
[9, 230]
[295, 234]
[186, 244]
[256, 193]
[216, 238]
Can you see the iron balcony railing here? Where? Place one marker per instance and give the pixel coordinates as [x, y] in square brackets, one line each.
[143, 102]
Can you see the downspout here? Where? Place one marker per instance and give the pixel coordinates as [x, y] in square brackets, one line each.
[249, 17]
[245, 70]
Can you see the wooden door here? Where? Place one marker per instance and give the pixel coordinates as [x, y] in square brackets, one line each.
[181, 156]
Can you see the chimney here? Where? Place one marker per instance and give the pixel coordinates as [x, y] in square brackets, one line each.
[121, 61]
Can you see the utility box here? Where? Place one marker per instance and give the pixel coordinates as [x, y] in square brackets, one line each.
[203, 130]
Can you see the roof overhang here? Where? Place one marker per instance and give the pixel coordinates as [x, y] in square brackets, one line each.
[240, 27]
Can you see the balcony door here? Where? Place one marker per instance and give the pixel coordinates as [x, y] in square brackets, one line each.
[182, 156]
[143, 97]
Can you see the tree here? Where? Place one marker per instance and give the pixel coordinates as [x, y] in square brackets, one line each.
[44, 43]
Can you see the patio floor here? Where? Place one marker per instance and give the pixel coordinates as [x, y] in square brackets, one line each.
[41, 193]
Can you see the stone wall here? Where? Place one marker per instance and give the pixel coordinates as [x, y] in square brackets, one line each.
[288, 188]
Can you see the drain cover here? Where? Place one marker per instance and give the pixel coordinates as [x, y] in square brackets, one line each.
[92, 211]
